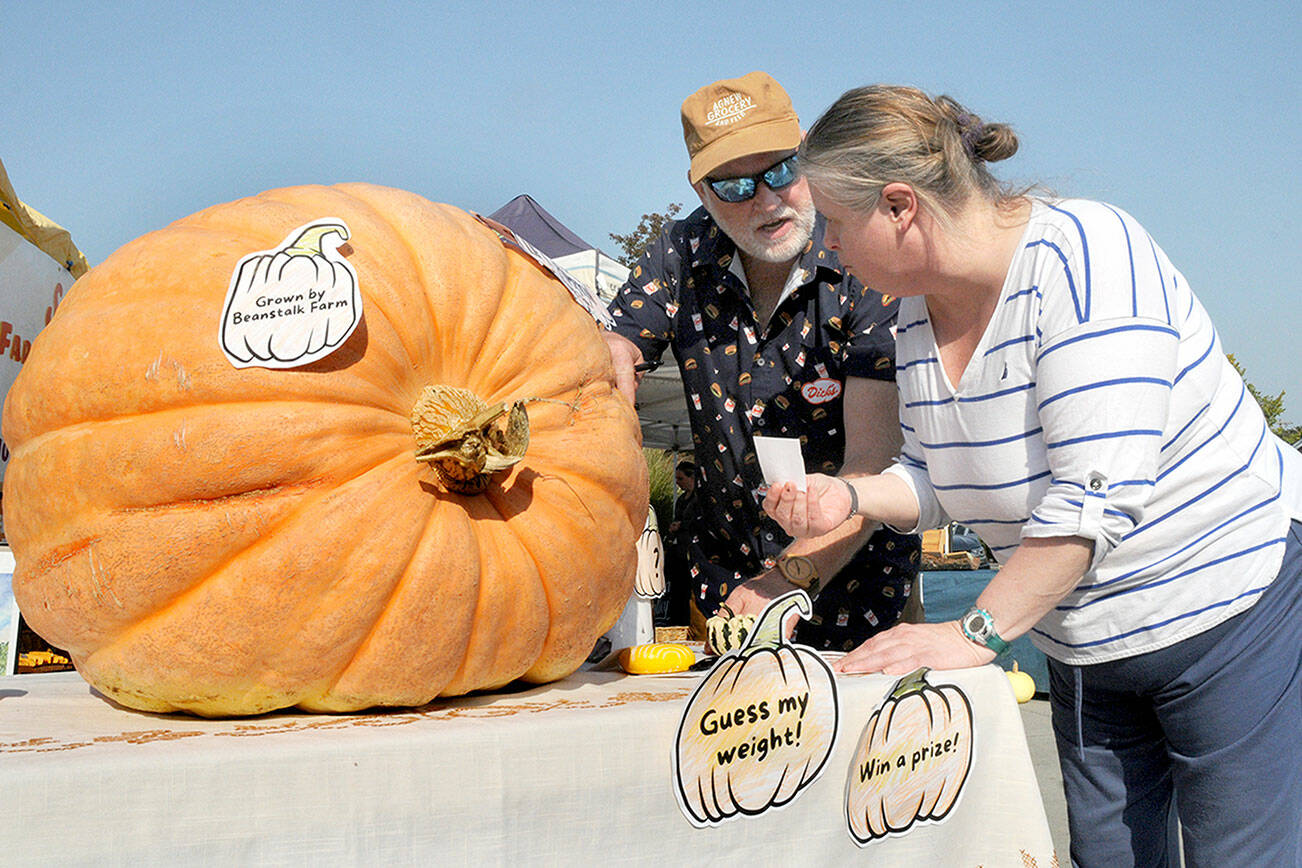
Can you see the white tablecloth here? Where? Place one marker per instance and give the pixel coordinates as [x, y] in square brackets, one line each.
[577, 772]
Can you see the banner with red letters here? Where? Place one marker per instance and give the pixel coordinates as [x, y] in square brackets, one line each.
[31, 287]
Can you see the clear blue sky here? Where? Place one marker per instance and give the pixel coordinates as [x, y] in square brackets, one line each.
[117, 118]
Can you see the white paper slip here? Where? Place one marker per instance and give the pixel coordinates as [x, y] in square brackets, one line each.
[780, 459]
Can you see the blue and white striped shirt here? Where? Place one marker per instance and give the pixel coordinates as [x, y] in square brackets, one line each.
[1100, 404]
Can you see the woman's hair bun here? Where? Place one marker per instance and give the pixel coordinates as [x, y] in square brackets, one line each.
[996, 142]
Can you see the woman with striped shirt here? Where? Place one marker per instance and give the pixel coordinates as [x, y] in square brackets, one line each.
[1063, 392]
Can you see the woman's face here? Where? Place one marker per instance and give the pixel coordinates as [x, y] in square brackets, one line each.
[870, 246]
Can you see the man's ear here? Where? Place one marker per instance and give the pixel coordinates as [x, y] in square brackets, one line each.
[699, 187]
[899, 201]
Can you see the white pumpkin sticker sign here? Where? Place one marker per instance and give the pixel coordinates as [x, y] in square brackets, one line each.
[760, 727]
[294, 304]
[650, 581]
[912, 760]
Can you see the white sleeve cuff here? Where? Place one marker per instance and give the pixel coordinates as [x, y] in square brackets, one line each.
[930, 513]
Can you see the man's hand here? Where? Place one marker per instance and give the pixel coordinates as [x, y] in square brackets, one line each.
[750, 597]
[625, 356]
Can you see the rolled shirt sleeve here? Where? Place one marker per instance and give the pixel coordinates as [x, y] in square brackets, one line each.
[1104, 369]
[912, 469]
[1103, 392]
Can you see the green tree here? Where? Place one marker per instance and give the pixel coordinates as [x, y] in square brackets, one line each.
[648, 229]
[1272, 407]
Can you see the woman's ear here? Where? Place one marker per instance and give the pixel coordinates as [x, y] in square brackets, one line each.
[900, 203]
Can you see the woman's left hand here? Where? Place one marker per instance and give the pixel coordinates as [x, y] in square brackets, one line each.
[906, 647]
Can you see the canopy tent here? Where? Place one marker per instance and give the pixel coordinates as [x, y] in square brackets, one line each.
[526, 218]
[596, 269]
[661, 404]
[662, 409]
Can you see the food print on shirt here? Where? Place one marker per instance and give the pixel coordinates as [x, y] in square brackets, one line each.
[785, 377]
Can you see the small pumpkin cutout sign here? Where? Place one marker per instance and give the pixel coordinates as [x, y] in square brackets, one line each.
[912, 760]
[650, 581]
[759, 728]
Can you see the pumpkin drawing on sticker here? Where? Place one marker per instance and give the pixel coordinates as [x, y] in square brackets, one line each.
[760, 726]
[912, 760]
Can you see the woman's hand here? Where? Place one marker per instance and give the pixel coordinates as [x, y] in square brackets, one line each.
[905, 647]
[821, 507]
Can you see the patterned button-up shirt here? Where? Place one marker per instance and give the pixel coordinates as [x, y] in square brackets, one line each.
[742, 377]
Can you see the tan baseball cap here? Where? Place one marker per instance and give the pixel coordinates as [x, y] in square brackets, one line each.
[737, 117]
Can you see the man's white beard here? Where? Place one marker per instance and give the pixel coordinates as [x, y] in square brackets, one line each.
[769, 251]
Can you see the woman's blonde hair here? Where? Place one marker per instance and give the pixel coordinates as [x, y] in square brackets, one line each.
[873, 136]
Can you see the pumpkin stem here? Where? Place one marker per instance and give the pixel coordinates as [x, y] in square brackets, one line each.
[462, 438]
[767, 632]
[911, 683]
[309, 243]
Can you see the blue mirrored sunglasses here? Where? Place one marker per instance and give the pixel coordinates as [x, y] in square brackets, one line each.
[739, 189]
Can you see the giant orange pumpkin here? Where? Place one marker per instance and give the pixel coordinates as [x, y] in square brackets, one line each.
[231, 540]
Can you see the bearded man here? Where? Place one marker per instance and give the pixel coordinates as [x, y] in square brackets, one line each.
[773, 338]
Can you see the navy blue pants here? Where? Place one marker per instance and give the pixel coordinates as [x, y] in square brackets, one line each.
[1209, 729]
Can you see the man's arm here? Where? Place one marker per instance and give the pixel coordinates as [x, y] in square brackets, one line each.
[644, 327]
[871, 408]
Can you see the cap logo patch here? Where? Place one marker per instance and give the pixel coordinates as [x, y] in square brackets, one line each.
[728, 110]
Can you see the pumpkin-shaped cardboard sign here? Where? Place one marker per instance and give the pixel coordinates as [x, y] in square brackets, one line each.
[912, 759]
[760, 726]
[650, 581]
